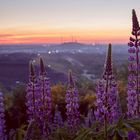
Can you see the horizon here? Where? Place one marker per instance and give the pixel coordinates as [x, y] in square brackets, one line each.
[85, 21]
[60, 43]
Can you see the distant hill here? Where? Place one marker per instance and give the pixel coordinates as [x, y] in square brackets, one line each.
[85, 60]
[14, 70]
[67, 47]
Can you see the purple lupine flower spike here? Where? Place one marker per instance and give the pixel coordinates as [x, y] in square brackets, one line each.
[108, 64]
[71, 81]
[2, 119]
[45, 101]
[133, 86]
[72, 105]
[135, 22]
[131, 135]
[107, 93]
[57, 122]
[42, 67]
[32, 95]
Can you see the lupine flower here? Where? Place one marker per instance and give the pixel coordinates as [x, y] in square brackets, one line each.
[107, 94]
[32, 96]
[72, 105]
[2, 119]
[57, 121]
[45, 99]
[131, 135]
[133, 87]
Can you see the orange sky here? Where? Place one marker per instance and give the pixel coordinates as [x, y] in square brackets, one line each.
[14, 36]
[55, 21]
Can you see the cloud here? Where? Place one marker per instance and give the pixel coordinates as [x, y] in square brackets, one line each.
[6, 35]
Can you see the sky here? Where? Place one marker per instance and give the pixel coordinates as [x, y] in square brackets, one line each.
[56, 21]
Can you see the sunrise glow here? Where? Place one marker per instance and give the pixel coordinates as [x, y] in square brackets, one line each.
[53, 21]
